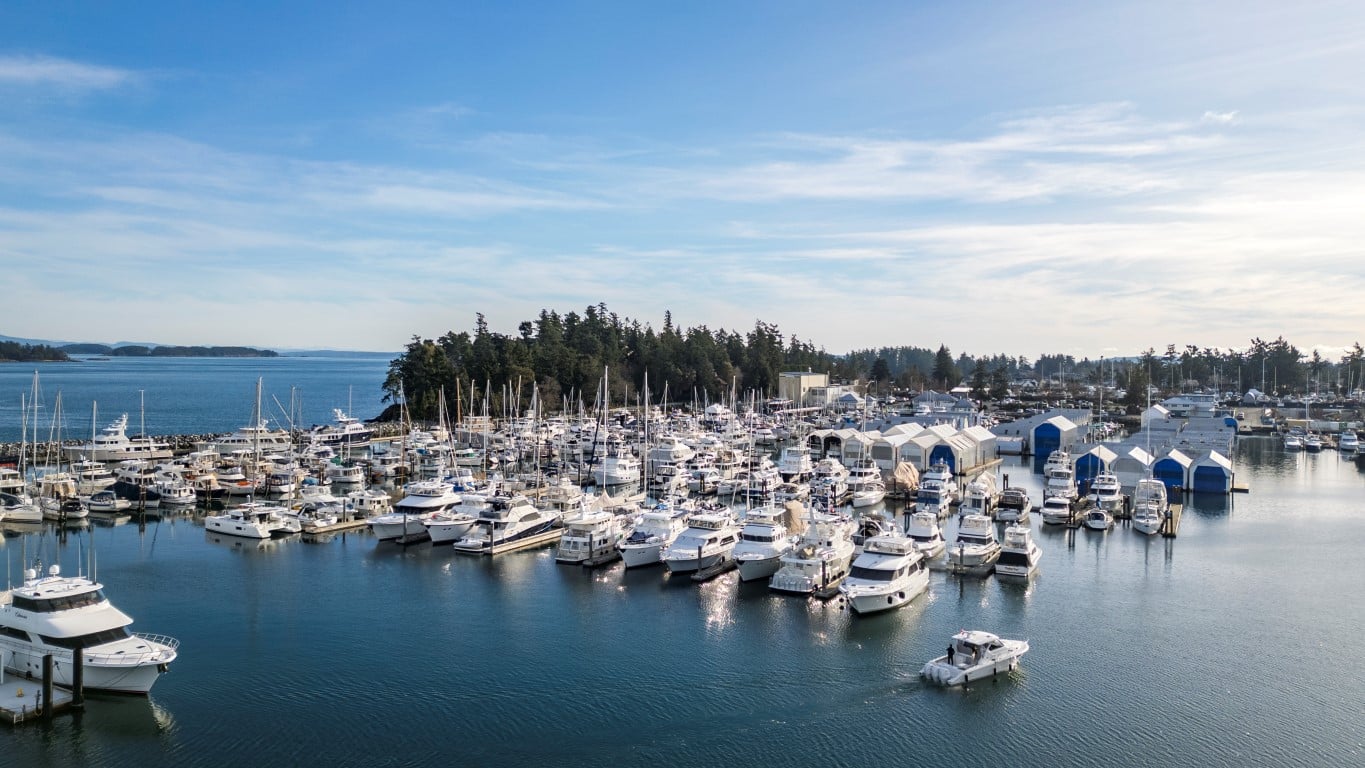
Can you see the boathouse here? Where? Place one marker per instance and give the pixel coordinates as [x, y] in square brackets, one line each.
[1211, 473]
[1098, 459]
[1172, 469]
[1131, 465]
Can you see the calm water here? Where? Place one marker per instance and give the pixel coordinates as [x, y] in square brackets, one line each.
[191, 395]
[1235, 644]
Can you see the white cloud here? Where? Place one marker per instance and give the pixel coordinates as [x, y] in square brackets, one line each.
[60, 73]
[1222, 118]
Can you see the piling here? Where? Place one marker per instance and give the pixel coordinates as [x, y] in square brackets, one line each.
[78, 677]
[47, 686]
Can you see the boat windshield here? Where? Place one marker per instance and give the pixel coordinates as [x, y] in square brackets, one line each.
[872, 574]
[52, 604]
[88, 641]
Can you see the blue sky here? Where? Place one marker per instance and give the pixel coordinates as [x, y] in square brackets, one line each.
[1000, 177]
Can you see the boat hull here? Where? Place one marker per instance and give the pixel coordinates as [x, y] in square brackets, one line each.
[641, 555]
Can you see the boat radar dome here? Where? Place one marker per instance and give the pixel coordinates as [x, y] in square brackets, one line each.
[54, 570]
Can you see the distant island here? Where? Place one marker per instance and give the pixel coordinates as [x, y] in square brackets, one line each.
[13, 352]
[135, 350]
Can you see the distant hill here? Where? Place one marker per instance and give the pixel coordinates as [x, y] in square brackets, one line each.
[11, 351]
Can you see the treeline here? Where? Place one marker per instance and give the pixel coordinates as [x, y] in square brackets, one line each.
[564, 356]
[135, 350]
[14, 352]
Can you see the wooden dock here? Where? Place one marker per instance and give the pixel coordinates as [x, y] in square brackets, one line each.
[1171, 527]
[339, 527]
[21, 700]
[706, 574]
[538, 540]
[605, 558]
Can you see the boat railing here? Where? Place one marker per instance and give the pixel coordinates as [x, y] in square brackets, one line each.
[126, 659]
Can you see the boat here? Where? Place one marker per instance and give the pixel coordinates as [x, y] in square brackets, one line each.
[1061, 481]
[258, 439]
[769, 532]
[1312, 442]
[11, 481]
[981, 497]
[1013, 506]
[1106, 493]
[1057, 510]
[590, 534]
[785, 492]
[91, 476]
[346, 473]
[19, 508]
[346, 431]
[175, 492]
[1150, 506]
[1098, 519]
[869, 494]
[709, 539]
[509, 522]
[1019, 553]
[795, 465]
[253, 520]
[924, 530]
[974, 655]
[889, 573]
[938, 490]
[821, 558]
[654, 531]
[1348, 442]
[871, 525]
[107, 502]
[113, 444]
[1293, 440]
[369, 502]
[422, 501]
[863, 472]
[56, 615]
[974, 549]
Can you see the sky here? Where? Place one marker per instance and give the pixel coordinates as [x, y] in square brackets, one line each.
[1067, 177]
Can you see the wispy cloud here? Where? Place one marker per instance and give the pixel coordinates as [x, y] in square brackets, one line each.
[47, 71]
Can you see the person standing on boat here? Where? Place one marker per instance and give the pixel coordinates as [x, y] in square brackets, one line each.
[950, 655]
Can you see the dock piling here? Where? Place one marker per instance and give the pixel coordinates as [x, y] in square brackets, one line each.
[78, 677]
[47, 687]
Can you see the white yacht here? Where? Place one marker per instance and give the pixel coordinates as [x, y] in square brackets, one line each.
[107, 502]
[925, 531]
[591, 533]
[91, 476]
[863, 472]
[1312, 442]
[821, 558]
[1106, 493]
[346, 473]
[509, 521]
[795, 464]
[973, 655]
[252, 520]
[869, 495]
[1013, 506]
[1293, 440]
[618, 469]
[55, 615]
[888, 574]
[710, 537]
[370, 502]
[1019, 553]
[1098, 519]
[424, 499]
[1056, 510]
[655, 530]
[767, 535]
[113, 444]
[1348, 442]
[19, 508]
[937, 491]
[981, 497]
[668, 450]
[11, 481]
[347, 431]
[1150, 506]
[974, 549]
[258, 439]
[1061, 481]
[704, 481]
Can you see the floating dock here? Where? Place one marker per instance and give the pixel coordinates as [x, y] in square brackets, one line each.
[538, 540]
[706, 574]
[339, 527]
[1172, 524]
[21, 700]
[605, 558]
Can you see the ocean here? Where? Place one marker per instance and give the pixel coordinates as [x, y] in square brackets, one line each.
[189, 395]
[1229, 645]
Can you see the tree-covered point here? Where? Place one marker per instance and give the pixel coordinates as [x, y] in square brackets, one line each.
[14, 352]
[564, 355]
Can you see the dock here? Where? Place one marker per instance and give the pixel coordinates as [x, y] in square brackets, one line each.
[538, 540]
[339, 527]
[605, 558]
[21, 700]
[825, 593]
[1172, 524]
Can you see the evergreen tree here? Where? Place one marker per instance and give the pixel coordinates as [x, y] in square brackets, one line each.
[945, 372]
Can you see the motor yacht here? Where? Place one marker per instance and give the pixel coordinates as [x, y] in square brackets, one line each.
[795, 464]
[889, 573]
[508, 523]
[974, 548]
[821, 558]
[591, 533]
[91, 476]
[924, 530]
[1019, 553]
[422, 501]
[1106, 493]
[1057, 510]
[937, 491]
[1312, 442]
[863, 472]
[252, 520]
[113, 444]
[107, 502]
[655, 530]
[973, 655]
[1348, 442]
[710, 537]
[1061, 482]
[11, 481]
[869, 495]
[981, 497]
[768, 533]
[55, 615]
[1150, 506]
[1014, 505]
[19, 508]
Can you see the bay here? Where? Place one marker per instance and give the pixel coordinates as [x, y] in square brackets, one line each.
[191, 395]
[1230, 645]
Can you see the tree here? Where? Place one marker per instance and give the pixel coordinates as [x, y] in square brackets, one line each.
[881, 371]
[979, 380]
[945, 372]
[1000, 383]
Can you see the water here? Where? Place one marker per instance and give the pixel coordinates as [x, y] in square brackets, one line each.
[1234, 644]
[191, 395]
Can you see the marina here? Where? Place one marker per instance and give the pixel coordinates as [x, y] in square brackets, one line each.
[334, 591]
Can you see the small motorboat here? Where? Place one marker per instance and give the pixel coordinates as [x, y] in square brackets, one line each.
[974, 655]
[1098, 519]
